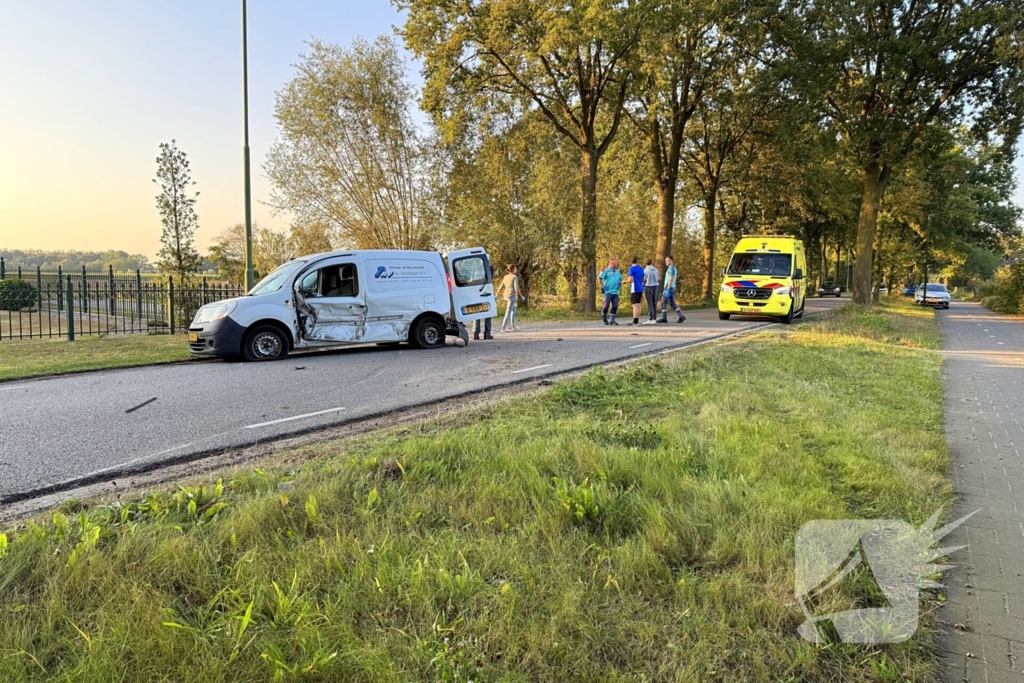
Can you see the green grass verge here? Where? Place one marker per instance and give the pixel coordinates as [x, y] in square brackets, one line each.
[628, 525]
[20, 359]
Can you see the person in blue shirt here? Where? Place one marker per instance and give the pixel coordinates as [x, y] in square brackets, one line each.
[636, 288]
[610, 280]
[668, 295]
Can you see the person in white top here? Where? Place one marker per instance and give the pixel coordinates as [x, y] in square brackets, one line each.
[510, 287]
[651, 278]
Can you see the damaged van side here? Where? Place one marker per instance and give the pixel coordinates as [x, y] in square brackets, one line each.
[353, 297]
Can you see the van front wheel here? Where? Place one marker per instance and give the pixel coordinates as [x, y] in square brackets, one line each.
[428, 334]
[265, 342]
[723, 316]
[788, 318]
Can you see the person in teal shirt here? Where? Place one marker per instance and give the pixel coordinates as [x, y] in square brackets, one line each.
[610, 280]
[668, 295]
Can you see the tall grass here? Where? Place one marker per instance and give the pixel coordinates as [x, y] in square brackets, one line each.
[630, 525]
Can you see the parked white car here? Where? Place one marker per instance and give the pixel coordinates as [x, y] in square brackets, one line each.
[937, 295]
[352, 297]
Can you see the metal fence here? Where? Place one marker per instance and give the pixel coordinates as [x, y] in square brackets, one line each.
[44, 304]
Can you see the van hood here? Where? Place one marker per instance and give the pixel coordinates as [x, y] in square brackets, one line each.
[762, 282]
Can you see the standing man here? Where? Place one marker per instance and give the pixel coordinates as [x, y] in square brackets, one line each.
[610, 280]
[668, 296]
[636, 288]
[487, 329]
[651, 277]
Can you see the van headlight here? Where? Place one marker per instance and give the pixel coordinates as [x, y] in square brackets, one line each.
[217, 311]
[727, 289]
[782, 290]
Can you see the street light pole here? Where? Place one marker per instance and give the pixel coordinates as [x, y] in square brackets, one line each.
[249, 274]
[927, 231]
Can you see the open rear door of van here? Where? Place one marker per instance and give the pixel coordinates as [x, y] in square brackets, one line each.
[471, 283]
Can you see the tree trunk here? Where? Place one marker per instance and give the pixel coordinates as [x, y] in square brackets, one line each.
[588, 236]
[709, 245]
[666, 221]
[874, 186]
[876, 269]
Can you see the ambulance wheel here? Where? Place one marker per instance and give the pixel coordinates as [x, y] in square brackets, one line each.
[428, 334]
[265, 342]
[788, 318]
[723, 316]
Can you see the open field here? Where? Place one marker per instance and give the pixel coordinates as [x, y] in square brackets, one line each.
[21, 359]
[634, 524]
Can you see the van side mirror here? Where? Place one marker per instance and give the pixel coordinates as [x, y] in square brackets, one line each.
[798, 274]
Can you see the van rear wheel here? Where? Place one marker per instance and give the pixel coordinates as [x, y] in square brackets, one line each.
[265, 342]
[428, 334]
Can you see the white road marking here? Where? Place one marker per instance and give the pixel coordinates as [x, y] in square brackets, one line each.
[639, 345]
[20, 386]
[294, 417]
[536, 367]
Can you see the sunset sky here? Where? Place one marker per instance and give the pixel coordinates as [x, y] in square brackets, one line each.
[88, 90]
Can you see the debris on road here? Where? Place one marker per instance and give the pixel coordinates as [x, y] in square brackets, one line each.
[141, 405]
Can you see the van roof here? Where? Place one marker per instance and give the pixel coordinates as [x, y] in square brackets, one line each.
[371, 252]
[780, 243]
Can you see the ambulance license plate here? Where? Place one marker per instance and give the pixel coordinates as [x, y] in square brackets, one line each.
[475, 308]
[193, 336]
[752, 311]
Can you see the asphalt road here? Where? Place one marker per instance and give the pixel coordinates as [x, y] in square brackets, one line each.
[57, 431]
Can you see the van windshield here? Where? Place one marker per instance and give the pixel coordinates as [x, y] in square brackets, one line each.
[277, 279]
[760, 264]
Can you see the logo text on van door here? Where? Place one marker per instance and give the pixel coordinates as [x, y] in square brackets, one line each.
[407, 273]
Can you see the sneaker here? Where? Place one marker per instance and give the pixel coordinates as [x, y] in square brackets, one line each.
[661, 321]
[612, 322]
[635, 323]
[682, 318]
[488, 337]
[605, 320]
[476, 337]
[648, 322]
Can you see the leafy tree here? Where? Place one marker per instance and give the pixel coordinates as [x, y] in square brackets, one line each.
[498, 196]
[567, 61]
[884, 72]
[349, 155]
[94, 261]
[270, 248]
[176, 204]
[310, 238]
[681, 51]
[744, 100]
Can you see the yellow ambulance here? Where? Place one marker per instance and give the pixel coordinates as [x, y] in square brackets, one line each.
[764, 277]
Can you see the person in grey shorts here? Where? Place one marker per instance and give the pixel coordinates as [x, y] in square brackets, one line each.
[651, 277]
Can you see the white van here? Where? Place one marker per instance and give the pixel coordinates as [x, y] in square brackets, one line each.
[351, 297]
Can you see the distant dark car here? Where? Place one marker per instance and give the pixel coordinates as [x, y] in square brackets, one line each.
[909, 290]
[829, 289]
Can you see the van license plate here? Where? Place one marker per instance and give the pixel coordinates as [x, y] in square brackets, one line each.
[751, 311]
[475, 308]
[193, 336]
